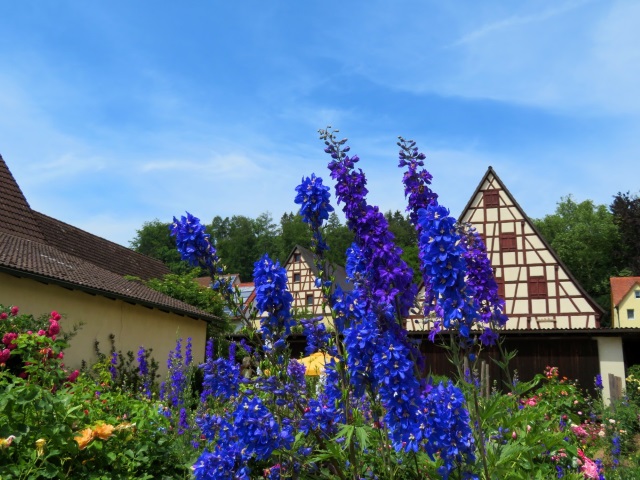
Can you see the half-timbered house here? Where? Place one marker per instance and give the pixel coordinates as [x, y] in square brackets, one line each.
[538, 289]
[302, 272]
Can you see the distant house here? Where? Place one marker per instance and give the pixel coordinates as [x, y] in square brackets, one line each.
[625, 302]
[247, 295]
[302, 272]
[46, 264]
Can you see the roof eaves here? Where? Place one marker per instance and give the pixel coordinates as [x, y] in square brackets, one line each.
[103, 293]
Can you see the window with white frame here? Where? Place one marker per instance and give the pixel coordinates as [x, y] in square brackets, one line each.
[637, 293]
[631, 314]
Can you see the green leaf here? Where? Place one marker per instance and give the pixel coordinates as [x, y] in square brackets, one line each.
[362, 435]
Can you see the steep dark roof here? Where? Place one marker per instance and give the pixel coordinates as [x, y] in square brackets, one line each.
[99, 251]
[15, 213]
[36, 246]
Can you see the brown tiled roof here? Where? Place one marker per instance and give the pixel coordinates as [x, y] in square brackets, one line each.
[204, 281]
[620, 286]
[97, 250]
[36, 246]
[23, 257]
[15, 213]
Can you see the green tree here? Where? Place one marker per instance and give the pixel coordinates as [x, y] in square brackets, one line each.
[239, 249]
[626, 215]
[293, 231]
[339, 238]
[267, 236]
[184, 287]
[585, 238]
[407, 239]
[154, 240]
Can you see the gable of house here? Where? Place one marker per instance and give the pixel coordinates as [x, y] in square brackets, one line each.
[538, 289]
[625, 302]
[301, 279]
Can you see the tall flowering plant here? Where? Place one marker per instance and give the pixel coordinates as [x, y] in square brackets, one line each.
[374, 390]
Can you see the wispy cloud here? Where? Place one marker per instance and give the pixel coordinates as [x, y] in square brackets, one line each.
[516, 21]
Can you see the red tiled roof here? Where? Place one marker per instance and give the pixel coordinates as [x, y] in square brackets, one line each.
[620, 286]
[204, 281]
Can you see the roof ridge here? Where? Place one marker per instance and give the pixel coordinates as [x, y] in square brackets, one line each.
[16, 216]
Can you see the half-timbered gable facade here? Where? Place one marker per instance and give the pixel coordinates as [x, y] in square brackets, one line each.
[301, 278]
[538, 289]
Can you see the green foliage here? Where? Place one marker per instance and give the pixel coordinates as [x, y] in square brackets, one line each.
[626, 215]
[185, 288]
[407, 239]
[153, 239]
[528, 430]
[339, 237]
[293, 231]
[85, 427]
[633, 385]
[586, 238]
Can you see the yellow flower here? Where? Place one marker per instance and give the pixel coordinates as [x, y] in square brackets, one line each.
[103, 431]
[40, 443]
[5, 442]
[125, 426]
[84, 438]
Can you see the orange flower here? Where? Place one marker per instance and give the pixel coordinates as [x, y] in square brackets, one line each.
[103, 431]
[84, 438]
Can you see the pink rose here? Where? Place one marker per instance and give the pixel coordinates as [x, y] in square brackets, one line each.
[3, 315]
[54, 328]
[14, 311]
[4, 355]
[579, 431]
[589, 469]
[8, 340]
[74, 376]
[56, 316]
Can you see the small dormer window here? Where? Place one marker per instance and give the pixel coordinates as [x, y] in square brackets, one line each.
[297, 257]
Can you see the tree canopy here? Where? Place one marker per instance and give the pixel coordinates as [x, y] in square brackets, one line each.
[586, 239]
[626, 215]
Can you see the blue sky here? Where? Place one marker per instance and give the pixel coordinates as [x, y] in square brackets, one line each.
[116, 113]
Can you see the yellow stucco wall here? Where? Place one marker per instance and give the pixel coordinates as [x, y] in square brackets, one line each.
[629, 302]
[133, 325]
